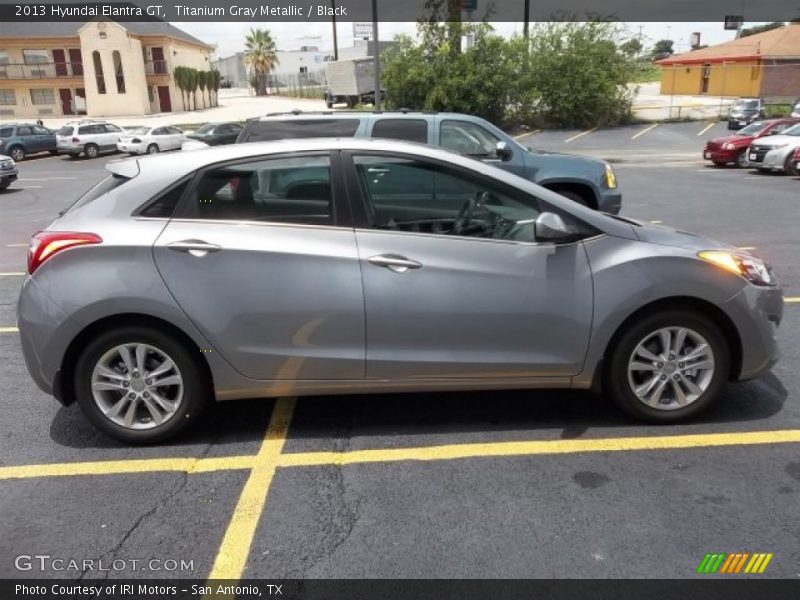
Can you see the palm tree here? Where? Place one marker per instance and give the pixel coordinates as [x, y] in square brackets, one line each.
[202, 81]
[216, 78]
[261, 56]
[180, 81]
[191, 85]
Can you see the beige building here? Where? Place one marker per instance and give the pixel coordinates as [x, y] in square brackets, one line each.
[99, 68]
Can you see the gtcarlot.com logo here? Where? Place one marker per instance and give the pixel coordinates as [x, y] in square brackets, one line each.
[736, 563]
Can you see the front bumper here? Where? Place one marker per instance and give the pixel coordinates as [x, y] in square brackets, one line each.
[757, 313]
[720, 155]
[774, 160]
[9, 174]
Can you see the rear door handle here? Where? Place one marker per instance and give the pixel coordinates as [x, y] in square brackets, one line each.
[394, 262]
[197, 248]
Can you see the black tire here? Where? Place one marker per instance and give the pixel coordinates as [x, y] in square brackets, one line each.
[91, 150]
[329, 104]
[17, 153]
[741, 159]
[53, 152]
[616, 375]
[719, 163]
[788, 165]
[575, 197]
[197, 390]
[153, 149]
[4, 185]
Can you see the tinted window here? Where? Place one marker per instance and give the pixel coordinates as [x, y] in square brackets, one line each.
[65, 130]
[24, 131]
[421, 197]
[468, 138]
[206, 128]
[6, 132]
[263, 131]
[409, 130]
[223, 129]
[173, 130]
[164, 205]
[90, 129]
[40, 130]
[106, 185]
[282, 190]
[112, 128]
[160, 131]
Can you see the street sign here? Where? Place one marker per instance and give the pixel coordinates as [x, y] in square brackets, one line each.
[733, 22]
[695, 39]
[362, 31]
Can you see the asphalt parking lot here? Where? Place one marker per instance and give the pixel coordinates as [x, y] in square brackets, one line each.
[462, 485]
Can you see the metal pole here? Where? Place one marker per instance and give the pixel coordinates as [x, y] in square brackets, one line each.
[526, 22]
[377, 57]
[335, 39]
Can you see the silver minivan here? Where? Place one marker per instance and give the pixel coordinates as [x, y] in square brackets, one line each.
[343, 266]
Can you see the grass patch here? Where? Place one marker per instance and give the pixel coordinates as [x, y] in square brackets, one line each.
[646, 73]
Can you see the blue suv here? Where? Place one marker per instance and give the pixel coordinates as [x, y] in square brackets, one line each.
[588, 181]
[17, 140]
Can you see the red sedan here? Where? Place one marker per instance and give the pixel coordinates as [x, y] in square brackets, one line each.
[733, 148]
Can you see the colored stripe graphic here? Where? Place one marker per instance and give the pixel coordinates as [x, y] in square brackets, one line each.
[720, 562]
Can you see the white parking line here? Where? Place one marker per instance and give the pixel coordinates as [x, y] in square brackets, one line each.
[656, 222]
[643, 131]
[16, 245]
[14, 274]
[706, 128]
[746, 247]
[581, 134]
[44, 178]
[522, 135]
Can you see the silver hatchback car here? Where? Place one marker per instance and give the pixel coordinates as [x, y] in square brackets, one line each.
[345, 266]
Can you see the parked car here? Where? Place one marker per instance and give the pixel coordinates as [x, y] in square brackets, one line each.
[8, 171]
[796, 109]
[251, 270]
[151, 140]
[733, 148]
[587, 181]
[744, 111]
[87, 137]
[216, 134]
[796, 162]
[18, 140]
[775, 153]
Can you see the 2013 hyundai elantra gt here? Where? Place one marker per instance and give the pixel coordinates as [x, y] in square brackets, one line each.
[343, 266]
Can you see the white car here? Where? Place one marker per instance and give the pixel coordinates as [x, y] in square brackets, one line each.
[150, 140]
[87, 137]
[775, 152]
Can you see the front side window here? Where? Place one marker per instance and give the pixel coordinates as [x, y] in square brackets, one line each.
[468, 138]
[43, 97]
[24, 130]
[295, 129]
[421, 197]
[409, 130]
[280, 190]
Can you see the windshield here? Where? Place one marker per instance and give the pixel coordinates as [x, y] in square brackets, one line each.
[206, 128]
[139, 131]
[752, 129]
[792, 130]
[746, 104]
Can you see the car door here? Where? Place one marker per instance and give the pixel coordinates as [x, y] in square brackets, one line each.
[111, 135]
[29, 141]
[176, 137]
[474, 140]
[234, 130]
[256, 258]
[451, 295]
[45, 139]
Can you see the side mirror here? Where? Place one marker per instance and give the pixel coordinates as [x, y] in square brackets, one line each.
[503, 151]
[549, 227]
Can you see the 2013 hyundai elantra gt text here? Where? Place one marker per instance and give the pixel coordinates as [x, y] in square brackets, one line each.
[344, 266]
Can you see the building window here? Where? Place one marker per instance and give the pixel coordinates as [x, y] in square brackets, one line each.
[98, 73]
[44, 96]
[304, 69]
[118, 74]
[8, 97]
[3, 57]
[36, 57]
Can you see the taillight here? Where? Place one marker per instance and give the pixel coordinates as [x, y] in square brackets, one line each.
[46, 244]
[76, 140]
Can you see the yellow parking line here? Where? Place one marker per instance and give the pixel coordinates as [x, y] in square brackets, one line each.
[9, 330]
[706, 128]
[12, 274]
[581, 134]
[746, 247]
[117, 467]
[791, 299]
[643, 131]
[530, 448]
[522, 135]
[235, 548]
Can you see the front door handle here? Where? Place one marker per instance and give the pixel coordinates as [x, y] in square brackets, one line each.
[197, 248]
[394, 262]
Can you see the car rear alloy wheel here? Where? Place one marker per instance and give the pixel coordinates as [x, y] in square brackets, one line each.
[668, 365]
[671, 368]
[140, 384]
[152, 149]
[137, 386]
[17, 153]
[91, 150]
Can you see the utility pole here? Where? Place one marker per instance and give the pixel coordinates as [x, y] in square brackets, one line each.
[377, 53]
[526, 21]
[335, 39]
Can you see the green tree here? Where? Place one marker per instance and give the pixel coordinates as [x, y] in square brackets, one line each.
[179, 75]
[632, 48]
[215, 79]
[662, 49]
[202, 82]
[191, 86]
[762, 28]
[261, 57]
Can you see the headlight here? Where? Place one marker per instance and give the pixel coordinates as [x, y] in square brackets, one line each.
[755, 270]
[611, 178]
[729, 146]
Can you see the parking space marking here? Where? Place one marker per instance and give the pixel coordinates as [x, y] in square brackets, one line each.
[706, 128]
[235, 547]
[531, 448]
[746, 247]
[131, 466]
[44, 178]
[13, 274]
[522, 135]
[791, 299]
[581, 134]
[17, 245]
[9, 330]
[656, 222]
[643, 131]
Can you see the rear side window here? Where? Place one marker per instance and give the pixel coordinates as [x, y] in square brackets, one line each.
[408, 130]
[293, 129]
[65, 130]
[6, 132]
[163, 206]
[106, 185]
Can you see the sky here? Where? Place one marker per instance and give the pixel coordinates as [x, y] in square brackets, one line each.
[290, 36]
